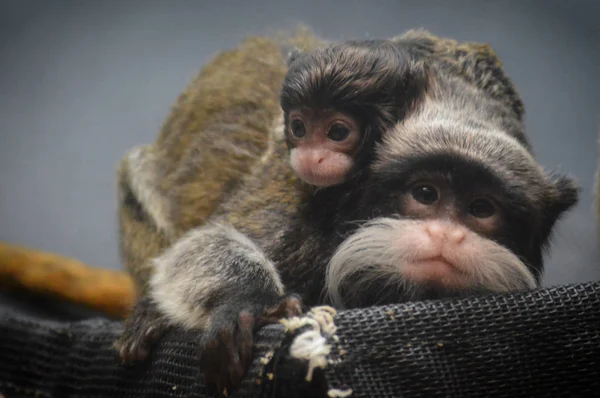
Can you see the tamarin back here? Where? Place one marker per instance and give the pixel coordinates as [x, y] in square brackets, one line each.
[217, 130]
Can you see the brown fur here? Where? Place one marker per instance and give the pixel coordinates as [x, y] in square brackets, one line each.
[217, 130]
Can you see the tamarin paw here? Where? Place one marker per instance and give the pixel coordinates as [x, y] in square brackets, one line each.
[141, 330]
[226, 351]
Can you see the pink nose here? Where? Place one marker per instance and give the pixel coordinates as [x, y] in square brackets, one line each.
[448, 232]
[311, 156]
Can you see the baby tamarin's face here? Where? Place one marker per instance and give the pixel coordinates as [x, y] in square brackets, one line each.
[323, 145]
[337, 102]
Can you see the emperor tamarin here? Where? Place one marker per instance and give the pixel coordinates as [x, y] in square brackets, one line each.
[451, 202]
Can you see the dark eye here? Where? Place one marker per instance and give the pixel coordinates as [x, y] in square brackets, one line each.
[297, 128]
[338, 132]
[482, 208]
[425, 194]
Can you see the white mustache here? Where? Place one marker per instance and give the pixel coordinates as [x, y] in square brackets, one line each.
[378, 251]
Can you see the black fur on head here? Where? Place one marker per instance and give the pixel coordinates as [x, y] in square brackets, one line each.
[375, 81]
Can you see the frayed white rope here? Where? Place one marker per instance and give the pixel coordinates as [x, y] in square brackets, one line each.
[311, 345]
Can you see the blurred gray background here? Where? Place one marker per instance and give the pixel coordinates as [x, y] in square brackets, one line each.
[81, 82]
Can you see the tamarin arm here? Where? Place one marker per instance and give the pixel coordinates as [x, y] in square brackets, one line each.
[217, 281]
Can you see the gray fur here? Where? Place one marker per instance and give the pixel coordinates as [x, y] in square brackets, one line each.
[141, 162]
[204, 262]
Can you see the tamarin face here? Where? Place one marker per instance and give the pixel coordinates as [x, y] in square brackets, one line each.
[338, 100]
[323, 145]
[450, 211]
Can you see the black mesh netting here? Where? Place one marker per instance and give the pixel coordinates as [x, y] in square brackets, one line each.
[542, 343]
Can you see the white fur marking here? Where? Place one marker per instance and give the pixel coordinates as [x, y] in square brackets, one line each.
[442, 125]
[254, 253]
[383, 247]
[142, 176]
[276, 135]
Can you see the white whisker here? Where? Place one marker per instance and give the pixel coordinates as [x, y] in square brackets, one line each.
[375, 257]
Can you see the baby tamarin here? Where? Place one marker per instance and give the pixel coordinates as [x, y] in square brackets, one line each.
[450, 203]
[338, 99]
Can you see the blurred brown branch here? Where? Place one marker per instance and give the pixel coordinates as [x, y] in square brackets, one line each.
[108, 291]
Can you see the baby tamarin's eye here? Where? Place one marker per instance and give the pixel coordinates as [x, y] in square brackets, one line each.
[481, 208]
[297, 128]
[425, 194]
[338, 132]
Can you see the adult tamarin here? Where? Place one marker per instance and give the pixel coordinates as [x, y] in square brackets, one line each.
[450, 202]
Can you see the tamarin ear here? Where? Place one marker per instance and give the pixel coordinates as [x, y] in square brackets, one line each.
[566, 192]
[293, 55]
[563, 194]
